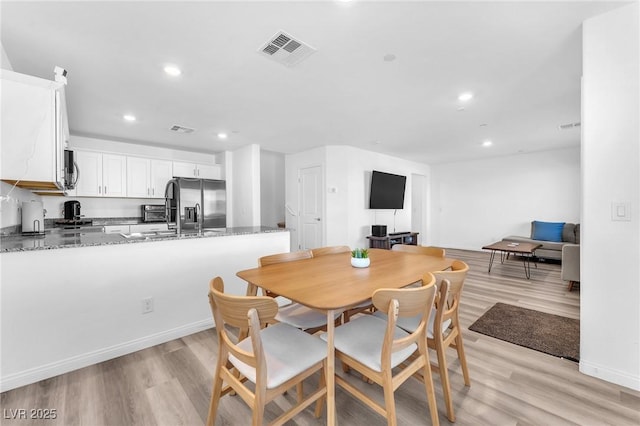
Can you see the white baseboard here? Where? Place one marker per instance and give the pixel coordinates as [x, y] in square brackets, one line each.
[607, 374]
[43, 372]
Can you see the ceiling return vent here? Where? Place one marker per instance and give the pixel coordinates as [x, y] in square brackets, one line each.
[283, 48]
[569, 126]
[181, 129]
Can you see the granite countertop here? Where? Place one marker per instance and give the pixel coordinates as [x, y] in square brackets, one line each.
[58, 238]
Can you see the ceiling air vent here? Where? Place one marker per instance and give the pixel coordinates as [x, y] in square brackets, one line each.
[181, 129]
[569, 126]
[283, 48]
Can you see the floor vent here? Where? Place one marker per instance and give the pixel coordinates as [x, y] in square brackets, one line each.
[181, 129]
[285, 49]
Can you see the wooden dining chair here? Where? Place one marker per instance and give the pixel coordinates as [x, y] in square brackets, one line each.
[444, 329]
[274, 358]
[322, 251]
[375, 346]
[295, 314]
[427, 250]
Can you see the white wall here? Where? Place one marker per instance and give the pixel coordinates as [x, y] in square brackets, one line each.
[358, 175]
[246, 185]
[610, 274]
[271, 188]
[347, 178]
[55, 319]
[4, 59]
[475, 203]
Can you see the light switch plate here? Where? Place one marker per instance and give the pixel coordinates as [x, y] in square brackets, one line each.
[620, 211]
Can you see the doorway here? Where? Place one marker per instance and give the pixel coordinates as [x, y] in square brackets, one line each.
[311, 204]
[418, 205]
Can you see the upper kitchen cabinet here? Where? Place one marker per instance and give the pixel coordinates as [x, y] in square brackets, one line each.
[101, 175]
[34, 132]
[147, 178]
[204, 171]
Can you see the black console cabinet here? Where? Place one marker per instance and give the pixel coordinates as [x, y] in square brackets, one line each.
[390, 240]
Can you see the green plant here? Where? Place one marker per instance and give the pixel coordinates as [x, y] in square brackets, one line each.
[360, 253]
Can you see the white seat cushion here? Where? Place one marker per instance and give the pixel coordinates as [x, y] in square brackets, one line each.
[288, 351]
[362, 339]
[411, 323]
[303, 317]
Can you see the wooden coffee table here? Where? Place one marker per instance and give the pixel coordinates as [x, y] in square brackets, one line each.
[525, 250]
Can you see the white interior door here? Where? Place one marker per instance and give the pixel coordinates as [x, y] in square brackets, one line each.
[311, 208]
[418, 200]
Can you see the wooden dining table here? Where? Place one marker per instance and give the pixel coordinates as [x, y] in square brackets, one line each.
[329, 283]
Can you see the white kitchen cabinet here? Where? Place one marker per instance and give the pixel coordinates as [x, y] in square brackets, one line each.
[161, 172]
[147, 178]
[34, 131]
[138, 177]
[204, 171]
[101, 175]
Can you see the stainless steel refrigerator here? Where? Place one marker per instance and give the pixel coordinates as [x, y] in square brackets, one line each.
[194, 205]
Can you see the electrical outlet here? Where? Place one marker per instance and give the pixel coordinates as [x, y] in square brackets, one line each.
[147, 305]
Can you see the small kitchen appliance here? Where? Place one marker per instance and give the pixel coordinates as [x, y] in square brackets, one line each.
[154, 213]
[32, 218]
[72, 210]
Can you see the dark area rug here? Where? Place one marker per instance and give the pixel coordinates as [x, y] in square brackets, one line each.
[548, 333]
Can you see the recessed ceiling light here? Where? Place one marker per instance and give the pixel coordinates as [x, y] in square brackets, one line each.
[172, 70]
[129, 117]
[464, 97]
[487, 143]
[222, 135]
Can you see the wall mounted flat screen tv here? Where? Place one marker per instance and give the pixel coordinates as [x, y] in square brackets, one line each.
[387, 191]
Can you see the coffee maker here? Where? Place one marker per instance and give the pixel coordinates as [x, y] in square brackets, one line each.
[71, 210]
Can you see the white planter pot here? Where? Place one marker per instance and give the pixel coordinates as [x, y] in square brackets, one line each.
[359, 262]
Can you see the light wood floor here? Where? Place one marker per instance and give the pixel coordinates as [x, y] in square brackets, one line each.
[170, 384]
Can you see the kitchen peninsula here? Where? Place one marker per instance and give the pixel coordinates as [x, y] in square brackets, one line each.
[75, 300]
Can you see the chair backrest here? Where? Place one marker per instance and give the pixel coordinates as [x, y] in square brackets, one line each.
[405, 302]
[321, 251]
[427, 250]
[272, 259]
[285, 257]
[448, 298]
[456, 276]
[252, 312]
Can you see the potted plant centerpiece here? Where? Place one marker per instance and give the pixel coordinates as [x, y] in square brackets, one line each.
[360, 258]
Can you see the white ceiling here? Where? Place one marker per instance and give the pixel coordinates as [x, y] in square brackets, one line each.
[522, 61]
